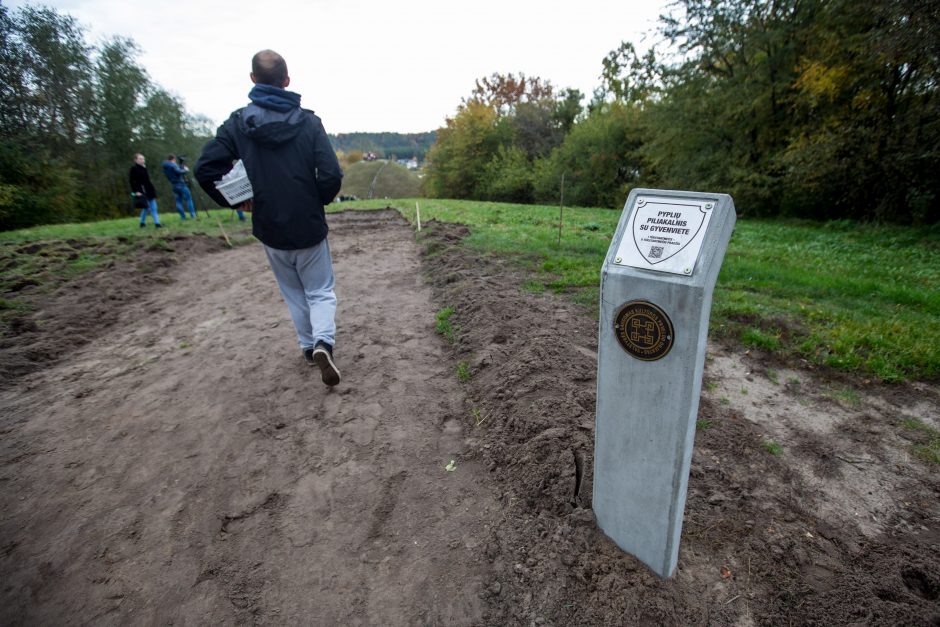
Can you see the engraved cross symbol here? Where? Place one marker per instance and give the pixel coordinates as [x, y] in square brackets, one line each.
[641, 331]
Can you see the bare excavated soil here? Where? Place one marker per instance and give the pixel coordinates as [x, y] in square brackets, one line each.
[168, 458]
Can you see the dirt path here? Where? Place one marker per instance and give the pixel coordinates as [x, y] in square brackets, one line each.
[187, 467]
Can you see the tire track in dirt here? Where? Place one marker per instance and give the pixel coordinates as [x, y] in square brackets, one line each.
[188, 467]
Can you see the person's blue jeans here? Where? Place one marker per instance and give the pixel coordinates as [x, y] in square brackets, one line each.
[152, 208]
[184, 200]
[305, 277]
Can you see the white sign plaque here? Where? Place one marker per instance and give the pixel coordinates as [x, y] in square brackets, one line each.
[665, 234]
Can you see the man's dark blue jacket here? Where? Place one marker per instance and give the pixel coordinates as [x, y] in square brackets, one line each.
[174, 173]
[290, 162]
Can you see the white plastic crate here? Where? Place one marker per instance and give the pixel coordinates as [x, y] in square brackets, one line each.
[235, 186]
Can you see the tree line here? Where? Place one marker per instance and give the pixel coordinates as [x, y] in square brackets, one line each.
[822, 109]
[72, 115]
[385, 145]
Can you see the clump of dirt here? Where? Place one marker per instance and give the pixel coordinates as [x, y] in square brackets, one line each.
[48, 318]
[771, 535]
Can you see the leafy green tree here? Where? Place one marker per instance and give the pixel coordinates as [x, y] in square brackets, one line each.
[490, 148]
[122, 86]
[601, 159]
[35, 188]
[55, 79]
[627, 77]
[815, 108]
[13, 73]
[866, 111]
[457, 160]
[567, 109]
[43, 116]
[723, 115]
[509, 176]
[535, 128]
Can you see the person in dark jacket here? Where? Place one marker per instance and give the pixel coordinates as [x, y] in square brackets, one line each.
[142, 187]
[176, 175]
[294, 173]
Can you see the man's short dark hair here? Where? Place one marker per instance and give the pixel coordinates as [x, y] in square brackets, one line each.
[171, 158]
[269, 68]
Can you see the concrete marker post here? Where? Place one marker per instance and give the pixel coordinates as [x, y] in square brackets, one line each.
[656, 294]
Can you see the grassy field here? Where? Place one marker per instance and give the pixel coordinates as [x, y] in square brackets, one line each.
[862, 299]
[125, 227]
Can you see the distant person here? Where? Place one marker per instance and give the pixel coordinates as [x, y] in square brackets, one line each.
[143, 188]
[176, 174]
[294, 173]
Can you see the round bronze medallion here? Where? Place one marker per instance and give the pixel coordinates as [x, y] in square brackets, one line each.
[644, 330]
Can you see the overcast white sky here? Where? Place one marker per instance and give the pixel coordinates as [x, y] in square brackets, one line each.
[366, 65]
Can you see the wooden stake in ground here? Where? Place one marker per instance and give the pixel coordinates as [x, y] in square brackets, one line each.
[561, 207]
[418, 216]
[224, 234]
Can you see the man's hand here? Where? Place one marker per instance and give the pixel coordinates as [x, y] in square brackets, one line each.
[245, 206]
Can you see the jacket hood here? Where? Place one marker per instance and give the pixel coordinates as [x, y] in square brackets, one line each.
[269, 127]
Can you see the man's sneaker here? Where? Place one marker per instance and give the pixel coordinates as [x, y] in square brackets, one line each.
[142, 225]
[158, 226]
[323, 357]
[308, 357]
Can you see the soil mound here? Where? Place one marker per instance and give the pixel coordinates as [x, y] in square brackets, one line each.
[762, 542]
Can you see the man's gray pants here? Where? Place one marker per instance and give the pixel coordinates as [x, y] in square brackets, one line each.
[305, 277]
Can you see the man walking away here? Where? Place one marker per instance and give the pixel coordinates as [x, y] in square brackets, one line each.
[176, 174]
[294, 173]
[142, 187]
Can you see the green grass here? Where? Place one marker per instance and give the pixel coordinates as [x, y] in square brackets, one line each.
[771, 447]
[858, 298]
[444, 325]
[463, 372]
[929, 450]
[756, 338]
[848, 397]
[478, 416]
[127, 227]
